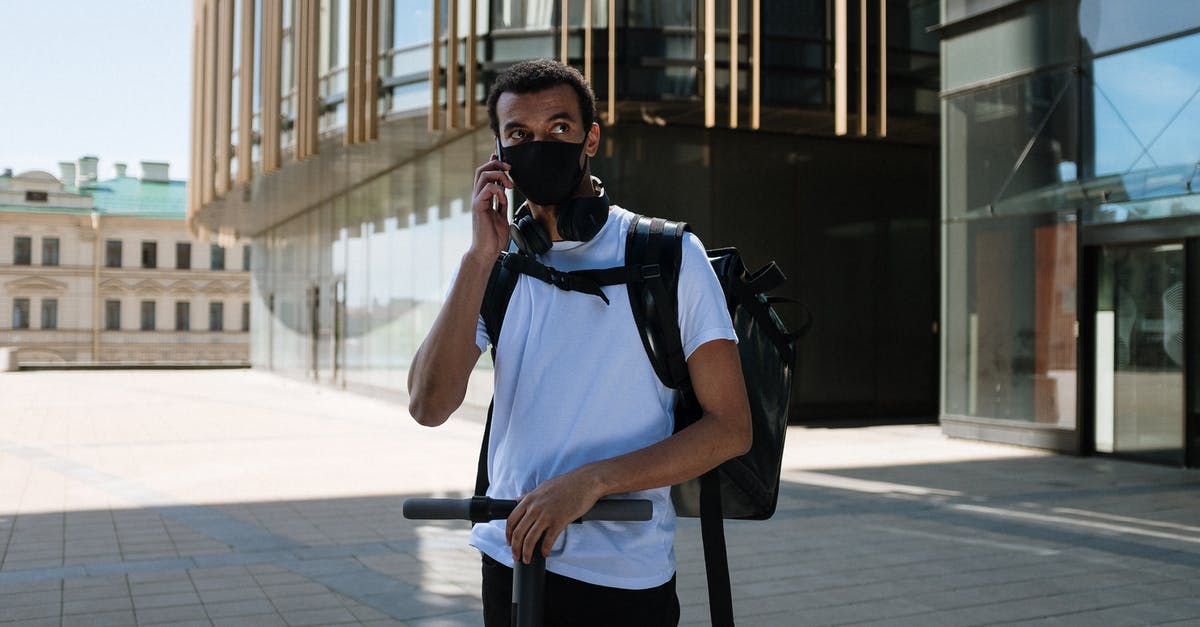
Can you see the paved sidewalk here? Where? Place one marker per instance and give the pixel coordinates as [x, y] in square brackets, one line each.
[242, 498]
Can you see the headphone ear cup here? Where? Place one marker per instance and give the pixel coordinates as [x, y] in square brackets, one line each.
[530, 237]
[580, 219]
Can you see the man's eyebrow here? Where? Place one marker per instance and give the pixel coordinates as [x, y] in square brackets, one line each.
[508, 126]
[561, 115]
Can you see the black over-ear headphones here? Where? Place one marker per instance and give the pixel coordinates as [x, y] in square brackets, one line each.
[578, 220]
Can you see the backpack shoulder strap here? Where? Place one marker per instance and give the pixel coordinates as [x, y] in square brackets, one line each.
[655, 300]
[499, 291]
[654, 248]
[500, 286]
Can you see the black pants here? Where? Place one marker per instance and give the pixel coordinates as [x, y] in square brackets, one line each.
[573, 603]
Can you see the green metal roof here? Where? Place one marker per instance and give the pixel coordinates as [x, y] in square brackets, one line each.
[129, 196]
[121, 196]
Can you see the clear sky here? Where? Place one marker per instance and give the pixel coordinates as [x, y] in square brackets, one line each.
[110, 78]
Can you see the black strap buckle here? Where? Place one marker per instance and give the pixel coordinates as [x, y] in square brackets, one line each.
[651, 271]
[561, 280]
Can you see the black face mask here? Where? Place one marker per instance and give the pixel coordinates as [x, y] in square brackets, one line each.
[546, 172]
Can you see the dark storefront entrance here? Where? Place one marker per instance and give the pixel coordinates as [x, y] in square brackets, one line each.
[1143, 336]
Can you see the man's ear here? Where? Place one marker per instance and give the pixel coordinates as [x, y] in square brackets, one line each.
[592, 142]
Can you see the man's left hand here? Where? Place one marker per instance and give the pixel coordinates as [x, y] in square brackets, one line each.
[547, 510]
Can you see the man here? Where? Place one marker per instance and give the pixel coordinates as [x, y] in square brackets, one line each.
[579, 413]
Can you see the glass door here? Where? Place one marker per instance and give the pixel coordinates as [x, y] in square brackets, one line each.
[1139, 327]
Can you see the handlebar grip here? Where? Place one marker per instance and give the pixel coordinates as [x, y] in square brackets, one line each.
[437, 509]
[621, 509]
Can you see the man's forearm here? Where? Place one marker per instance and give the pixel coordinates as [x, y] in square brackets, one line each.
[690, 453]
[437, 379]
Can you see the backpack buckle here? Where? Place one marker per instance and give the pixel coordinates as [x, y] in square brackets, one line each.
[651, 271]
[560, 280]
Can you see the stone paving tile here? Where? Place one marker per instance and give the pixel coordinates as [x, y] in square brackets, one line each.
[245, 607]
[122, 618]
[29, 612]
[325, 616]
[174, 599]
[101, 604]
[257, 620]
[171, 615]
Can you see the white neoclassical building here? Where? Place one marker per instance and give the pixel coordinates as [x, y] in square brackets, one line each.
[106, 272]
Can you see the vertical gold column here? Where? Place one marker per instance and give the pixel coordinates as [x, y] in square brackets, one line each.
[299, 54]
[839, 67]
[371, 80]
[307, 110]
[883, 68]
[197, 72]
[224, 129]
[435, 70]
[587, 40]
[862, 67]
[734, 45]
[756, 64]
[452, 67]
[245, 142]
[469, 89]
[564, 24]
[612, 61]
[272, 31]
[353, 79]
[208, 100]
[710, 63]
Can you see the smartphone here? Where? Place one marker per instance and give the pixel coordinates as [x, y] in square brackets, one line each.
[495, 203]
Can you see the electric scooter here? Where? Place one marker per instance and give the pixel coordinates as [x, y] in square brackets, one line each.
[529, 580]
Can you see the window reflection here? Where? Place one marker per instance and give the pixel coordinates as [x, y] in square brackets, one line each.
[1109, 24]
[1146, 108]
[1011, 346]
[1011, 141]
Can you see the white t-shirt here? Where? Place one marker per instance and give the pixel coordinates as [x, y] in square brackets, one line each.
[573, 385]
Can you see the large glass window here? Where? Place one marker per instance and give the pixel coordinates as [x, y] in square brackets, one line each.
[1110, 24]
[49, 251]
[22, 251]
[1010, 147]
[183, 255]
[216, 256]
[20, 313]
[216, 316]
[149, 254]
[49, 313]
[529, 14]
[112, 315]
[1145, 131]
[147, 315]
[183, 317]
[1010, 319]
[112, 253]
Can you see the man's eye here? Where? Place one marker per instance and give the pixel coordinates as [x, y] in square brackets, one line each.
[518, 135]
[560, 128]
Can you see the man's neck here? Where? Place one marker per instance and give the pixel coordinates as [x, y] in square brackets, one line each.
[547, 215]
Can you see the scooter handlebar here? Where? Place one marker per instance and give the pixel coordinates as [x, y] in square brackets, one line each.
[437, 509]
[482, 509]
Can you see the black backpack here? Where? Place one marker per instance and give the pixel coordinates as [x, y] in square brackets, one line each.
[746, 487]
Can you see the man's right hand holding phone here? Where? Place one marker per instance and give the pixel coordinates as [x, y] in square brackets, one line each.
[489, 210]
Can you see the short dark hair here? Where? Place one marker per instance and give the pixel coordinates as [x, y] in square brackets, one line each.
[528, 77]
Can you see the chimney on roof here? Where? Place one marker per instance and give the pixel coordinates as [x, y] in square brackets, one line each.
[66, 170]
[120, 167]
[155, 171]
[7, 173]
[87, 170]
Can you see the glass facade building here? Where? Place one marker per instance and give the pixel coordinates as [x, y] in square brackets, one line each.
[342, 136]
[1070, 283]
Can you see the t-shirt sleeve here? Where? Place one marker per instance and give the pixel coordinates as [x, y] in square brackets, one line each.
[703, 316]
[481, 336]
